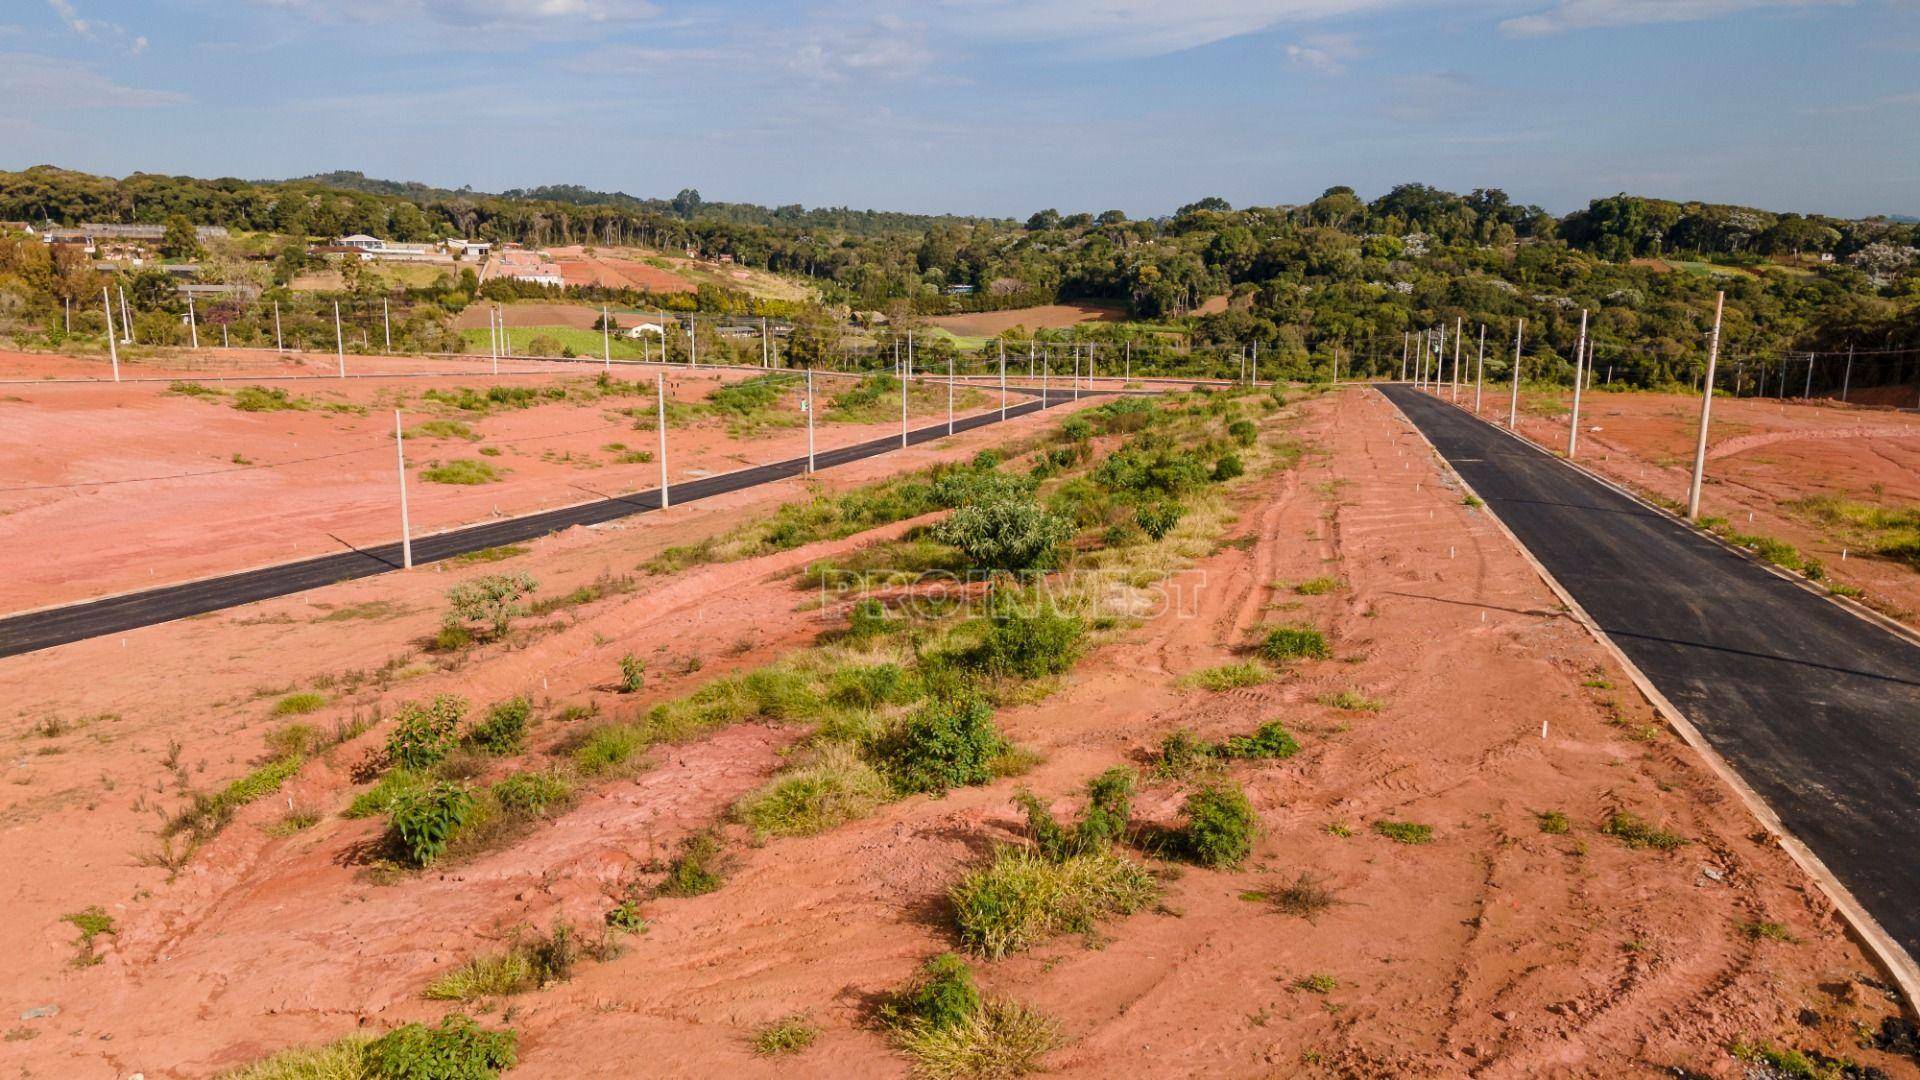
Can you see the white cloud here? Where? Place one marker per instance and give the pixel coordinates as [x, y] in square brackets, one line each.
[1144, 27]
[42, 83]
[1325, 54]
[542, 15]
[1598, 14]
[99, 30]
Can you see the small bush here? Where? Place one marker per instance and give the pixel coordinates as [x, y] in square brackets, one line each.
[1283, 643]
[1220, 826]
[504, 729]
[868, 620]
[394, 784]
[1554, 823]
[530, 794]
[299, 704]
[633, 674]
[1017, 536]
[836, 786]
[458, 1049]
[1158, 519]
[1229, 676]
[1634, 832]
[1228, 467]
[424, 820]
[1319, 586]
[1270, 741]
[1404, 832]
[1023, 897]
[1243, 432]
[529, 963]
[464, 471]
[1028, 639]
[1305, 898]
[1183, 753]
[944, 745]
[1076, 429]
[999, 1039]
[787, 1035]
[693, 872]
[424, 733]
[495, 599]
[1102, 823]
[941, 996]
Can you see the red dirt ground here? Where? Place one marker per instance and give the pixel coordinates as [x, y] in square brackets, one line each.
[1762, 454]
[1496, 951]
[580, 268]
[1044, 317]
[123, 487]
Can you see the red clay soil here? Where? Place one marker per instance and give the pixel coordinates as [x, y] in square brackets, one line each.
[1762, 455]
[1044, 317]
[122, 487]
[1497, 950]
[579, 267]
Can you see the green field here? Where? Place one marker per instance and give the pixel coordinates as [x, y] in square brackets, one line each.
[582, 342]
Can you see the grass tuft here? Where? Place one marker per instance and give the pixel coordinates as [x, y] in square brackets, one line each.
[1022, 897]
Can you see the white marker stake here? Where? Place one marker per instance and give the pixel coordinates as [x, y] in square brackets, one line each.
[113, 348]
[1579, 358]
[406, 533]
[809, 419]
[1480, 370]
[1513, 401]
[1003, 382]
[606, 341]
[660, 385]
[1706, 411]
[339, 343]
[193, 323]
[279, 344]
[949, 394]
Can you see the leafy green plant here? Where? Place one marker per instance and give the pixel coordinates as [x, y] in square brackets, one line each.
[633, 674]
[694, 872]
[1220, 826]
[458, 1049]
[424, 820]
[530, 794]
[1633, 831]
[504, 729]
[1283, 643]
[1028, 638]
[1270, 740]
[1023, 897]
[1017, 536]
[945, 744]
[495, 600]
[1159, 519]
[1103, 821]
[425, 732]
[299, 704]
[1228, 467]
[787, 1035]
[1404, 832]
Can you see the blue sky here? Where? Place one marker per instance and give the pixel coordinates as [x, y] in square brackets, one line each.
[989, 106]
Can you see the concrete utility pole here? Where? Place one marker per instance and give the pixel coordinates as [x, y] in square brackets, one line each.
[339, 343]
[693, 342]
[193, 322]
[386, 320]
[809, 419]
[1129, 346]
[506, 343]
[1003, 382]
[660, 390]
[905, 372]
[1437, 371]
[279, 345]
[1706, 412]
[1846, 382]
[406, 533]
[1579, 358]
[113, 347]
[949, 393]
[1256, 365]
[1459, 328]
[606, 341]
[1807, 394]
[1046, 395]
[493, 338]
[1513, 401]
[766, 359]
[126, 321]
[1480, 370]
[1405, 340]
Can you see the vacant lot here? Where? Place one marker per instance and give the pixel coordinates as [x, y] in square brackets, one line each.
[1476, 852]
[1047, 317]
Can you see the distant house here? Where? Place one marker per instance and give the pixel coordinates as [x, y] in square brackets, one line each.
[636, 332]
[959, 290]
[361, 241]
[459, 248]
[529, 266]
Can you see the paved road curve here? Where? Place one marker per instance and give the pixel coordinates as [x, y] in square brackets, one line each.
[1817, 709]
[75, 622]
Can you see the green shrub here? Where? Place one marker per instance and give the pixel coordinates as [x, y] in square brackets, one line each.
[1012, 535]
[694, 871]
[1220, 826]
[529, 963]
[381, 797]
[1022, 897]
[1404, 832]
[1027, 638]
[1243, 432]
[1103, 822]
[424, 733]
[999, 1039]
[1229, 676]
[1151, 471]
[1159, 519]
[464, 471]
[1076, 429]
[1319, 586]
[1284, 643]
[1554, 822]
[956, 487]
[531, 793]
[633, 674]
[424, 820]
[458, 1049]
[867, 620]
[787, 1035]
[504, 729]
[1228, 467]
[299, 704]
[264, 399]
[835, 787]
[942, 996]
[944, 745]
[1270, 740]
[495, 599]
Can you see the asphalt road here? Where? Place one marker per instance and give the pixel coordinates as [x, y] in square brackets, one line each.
[31, 631]
[1817, 709]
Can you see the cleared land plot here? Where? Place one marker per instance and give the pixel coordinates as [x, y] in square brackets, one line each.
[986, 324]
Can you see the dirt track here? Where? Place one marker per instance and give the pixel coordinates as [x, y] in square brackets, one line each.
[1497, 950]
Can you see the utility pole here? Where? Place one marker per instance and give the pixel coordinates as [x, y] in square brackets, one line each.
[1256, 365]
[809, 415]
[1579, 357]
[1129, 347]
[113, 347]
[126, 321]
[606, 341]
[1807, 394]
[386, 320]
[1706, 412]
[949, 393]
[1003, 382]
[339, 343]
[279, 344]
[906, 372]
[193, 322]
[1513, 400]
[1459, 326]
[406, 533]
[1046, 395]
[660, 390]
[493, 337]
[1405, 339]
[1480, 370]
[766, 360]
[1846, 382]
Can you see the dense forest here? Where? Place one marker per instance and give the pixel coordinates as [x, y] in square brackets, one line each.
[1338, 276]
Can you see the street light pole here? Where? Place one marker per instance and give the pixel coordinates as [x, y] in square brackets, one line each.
[1579, 359]
[1706, 412]
[1513, 401]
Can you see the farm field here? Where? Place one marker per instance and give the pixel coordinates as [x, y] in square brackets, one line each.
[987, 324]
[1822, 477]
[1442, 880]
[141, 484]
